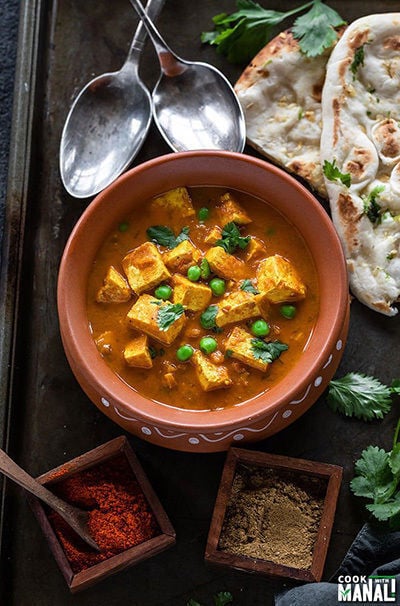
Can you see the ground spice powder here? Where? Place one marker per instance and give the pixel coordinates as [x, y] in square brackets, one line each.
[119, 514]
[273, 516]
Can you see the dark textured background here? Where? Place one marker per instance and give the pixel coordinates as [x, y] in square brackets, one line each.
[50, 418]
[8, 45]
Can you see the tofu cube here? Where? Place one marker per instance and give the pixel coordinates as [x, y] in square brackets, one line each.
[236, 307]
[169, 381]
[213, 235]
[180, 258]
[177, 201]
[225, 265]
[192, 295]
[279, 281]
[229, 210]
[115, 288]
[263, 305]
[255, 250]
[137, 353]
[239, 346]
[143, 316]
[210, 375]
[144, 268]
[106, 343]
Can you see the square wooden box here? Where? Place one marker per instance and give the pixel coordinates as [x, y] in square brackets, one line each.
[88, 577]
[332, 474]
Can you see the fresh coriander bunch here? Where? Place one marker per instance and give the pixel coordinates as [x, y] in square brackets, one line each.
[358, 395]
[243, 33]
[378, 480]
[223, 598]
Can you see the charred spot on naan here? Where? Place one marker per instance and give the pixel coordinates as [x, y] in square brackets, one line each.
[359, 38]
[362, 162]
[392, 43]
[310, 171]
[349, 215]
[386, 136]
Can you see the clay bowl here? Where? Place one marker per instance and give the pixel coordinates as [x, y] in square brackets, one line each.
[263, 415]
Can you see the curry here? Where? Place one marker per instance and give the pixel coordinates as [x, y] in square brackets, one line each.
[203, 298]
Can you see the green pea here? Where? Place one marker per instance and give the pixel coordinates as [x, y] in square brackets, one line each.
[163, 292]
[203, 213]
[288, 311]
[208, 345]
[260, 328]
[194, 273]
[184, 353]
[217, 286]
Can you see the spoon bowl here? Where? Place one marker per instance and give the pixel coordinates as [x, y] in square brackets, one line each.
[107, 124]
[75, 517]
[206, 120]
[194, 105]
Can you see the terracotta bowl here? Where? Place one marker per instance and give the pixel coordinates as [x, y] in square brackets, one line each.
[263, 415]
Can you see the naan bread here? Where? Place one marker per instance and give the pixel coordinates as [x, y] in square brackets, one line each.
[361, 133]
[280, 92]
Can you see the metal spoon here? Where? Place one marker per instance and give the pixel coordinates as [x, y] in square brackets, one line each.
[75, 517]
[194, 105]
[107, 123]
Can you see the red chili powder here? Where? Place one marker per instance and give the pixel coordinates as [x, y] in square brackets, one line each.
[119, 514]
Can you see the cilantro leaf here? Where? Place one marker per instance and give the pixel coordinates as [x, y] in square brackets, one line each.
[378, 479]
[332, 173]
[207, 318]
[248, 286]
[374, 475]
[231, 238]
[167, 314]
[395, 386]
[372, 209]
[223, 598]
[240, 35]
[165, 236]
[358, 60]
[267, 352]
[387, 510]
[360, 396]
[315, 30]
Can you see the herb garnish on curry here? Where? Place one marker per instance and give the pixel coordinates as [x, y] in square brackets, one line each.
[204, 299]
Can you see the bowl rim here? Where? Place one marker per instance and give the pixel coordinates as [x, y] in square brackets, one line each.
[138, 407]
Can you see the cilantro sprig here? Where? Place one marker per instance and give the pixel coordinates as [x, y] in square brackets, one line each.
[267, 352]
[332, 173]
[358, 60]
[243, 33]
[167, 314]
[358, 395]
[207, 318]
[163, 235]
[223, 598]
[248, 286]
[378, 480]
[372, 209]
[232, 238]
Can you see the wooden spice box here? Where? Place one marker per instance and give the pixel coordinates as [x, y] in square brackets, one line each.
[166, 538]
[328, 476]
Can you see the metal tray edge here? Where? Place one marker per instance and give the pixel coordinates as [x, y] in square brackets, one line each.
[15, 210]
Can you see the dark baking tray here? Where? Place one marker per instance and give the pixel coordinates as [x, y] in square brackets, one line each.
[45, 419]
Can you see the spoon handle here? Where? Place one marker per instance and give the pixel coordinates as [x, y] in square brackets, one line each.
[170, 64]
[70, 513]
[153, 9]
